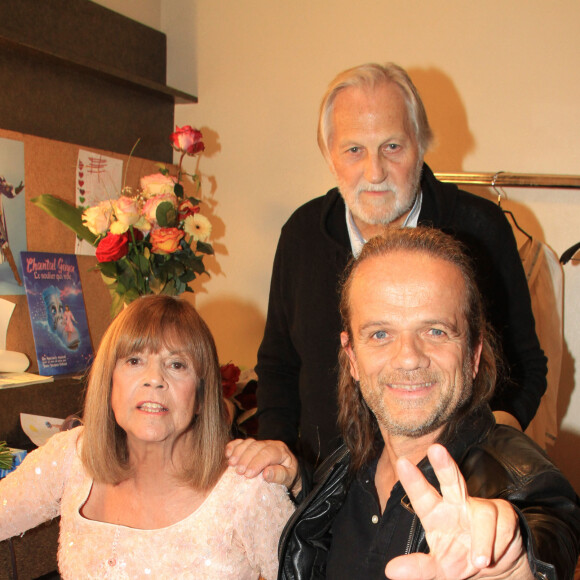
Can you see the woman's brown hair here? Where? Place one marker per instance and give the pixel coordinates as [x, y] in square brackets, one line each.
[147, 325]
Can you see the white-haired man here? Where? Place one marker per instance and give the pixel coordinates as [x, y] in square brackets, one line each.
[373, 131]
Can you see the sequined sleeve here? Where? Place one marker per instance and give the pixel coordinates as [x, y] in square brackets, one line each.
[31, 494]
[267, 509]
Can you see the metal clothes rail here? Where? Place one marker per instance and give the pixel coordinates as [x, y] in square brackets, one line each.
[506, 179]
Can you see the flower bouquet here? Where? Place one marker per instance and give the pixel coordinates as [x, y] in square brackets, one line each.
[149, 241]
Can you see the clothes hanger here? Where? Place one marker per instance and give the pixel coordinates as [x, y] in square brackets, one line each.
[569, 254]
[500, 192]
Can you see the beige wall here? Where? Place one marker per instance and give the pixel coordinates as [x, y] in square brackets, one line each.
[500, 82]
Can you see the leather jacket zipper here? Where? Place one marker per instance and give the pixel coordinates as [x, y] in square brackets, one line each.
[411, 535]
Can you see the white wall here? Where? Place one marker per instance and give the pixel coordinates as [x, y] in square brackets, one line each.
[500, 82]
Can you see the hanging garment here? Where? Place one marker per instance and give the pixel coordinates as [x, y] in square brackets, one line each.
[545, 280]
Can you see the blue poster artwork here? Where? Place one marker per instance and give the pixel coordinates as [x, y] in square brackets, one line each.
[12, 215]
[57, 312]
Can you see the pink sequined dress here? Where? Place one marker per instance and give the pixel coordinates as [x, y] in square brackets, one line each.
[232, 535]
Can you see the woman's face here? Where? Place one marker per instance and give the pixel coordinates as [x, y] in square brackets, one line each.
[153, 396]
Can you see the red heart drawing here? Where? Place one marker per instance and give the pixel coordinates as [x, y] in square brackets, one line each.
[81, 182]
[81, 174]
[82, 191]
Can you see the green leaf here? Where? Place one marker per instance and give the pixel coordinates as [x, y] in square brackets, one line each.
[197, 266]
[67, 214]
[108, 269]
[178, 190]
[204, 248]
[170, 289]
[166, 215]
[142, 264]
[116, 304]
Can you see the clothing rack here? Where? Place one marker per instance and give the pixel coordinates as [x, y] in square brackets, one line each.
[506, 179]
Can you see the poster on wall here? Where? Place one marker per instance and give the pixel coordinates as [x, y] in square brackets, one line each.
[57, 312]
[12, 216]
[98, 179]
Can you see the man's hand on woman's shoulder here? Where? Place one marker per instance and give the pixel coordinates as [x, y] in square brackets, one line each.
[272, 459]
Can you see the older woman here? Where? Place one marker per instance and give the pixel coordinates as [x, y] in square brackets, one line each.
[142, 488]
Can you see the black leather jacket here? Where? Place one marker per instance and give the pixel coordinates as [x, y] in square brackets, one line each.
[496, 462]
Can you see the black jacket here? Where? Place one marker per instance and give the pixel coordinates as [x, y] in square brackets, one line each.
[496, 461]
[298, 356]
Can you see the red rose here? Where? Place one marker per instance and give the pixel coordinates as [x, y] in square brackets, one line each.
[165, 240]
[186, 208]
[187, 140]
[230, 376]
[112, 247]
[247, 398]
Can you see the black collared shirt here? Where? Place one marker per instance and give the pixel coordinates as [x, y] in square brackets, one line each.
[363, 540]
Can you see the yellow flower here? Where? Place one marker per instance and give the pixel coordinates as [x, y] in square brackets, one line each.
[143, 225]
[118, 228]
[198, 227]
[165, 240]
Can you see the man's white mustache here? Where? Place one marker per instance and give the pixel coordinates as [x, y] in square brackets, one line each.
[385, 186]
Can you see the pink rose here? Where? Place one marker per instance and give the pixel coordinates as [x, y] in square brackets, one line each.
[113, 247]
[126, 214]
[165, 240]
[187, 140]
[126, 210]
[156, 184]
[150, 207]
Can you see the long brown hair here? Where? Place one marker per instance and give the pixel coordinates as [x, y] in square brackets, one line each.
[149, 324]
[358, 424]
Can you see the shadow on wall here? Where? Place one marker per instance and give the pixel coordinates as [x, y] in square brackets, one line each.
[453, 142]
[205, 191]
[447, 117]
[237, 328]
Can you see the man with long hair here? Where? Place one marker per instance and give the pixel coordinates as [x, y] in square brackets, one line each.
[426, 485]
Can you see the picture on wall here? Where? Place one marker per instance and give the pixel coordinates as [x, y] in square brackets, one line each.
[57, 312]
[12, 216]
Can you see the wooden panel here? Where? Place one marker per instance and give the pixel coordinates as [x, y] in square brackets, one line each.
[76, 72]
[84, 29]
[67, 105]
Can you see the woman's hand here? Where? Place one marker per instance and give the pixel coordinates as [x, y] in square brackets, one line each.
[272, 459]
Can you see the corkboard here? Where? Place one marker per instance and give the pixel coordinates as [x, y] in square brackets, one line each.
[50, 167]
